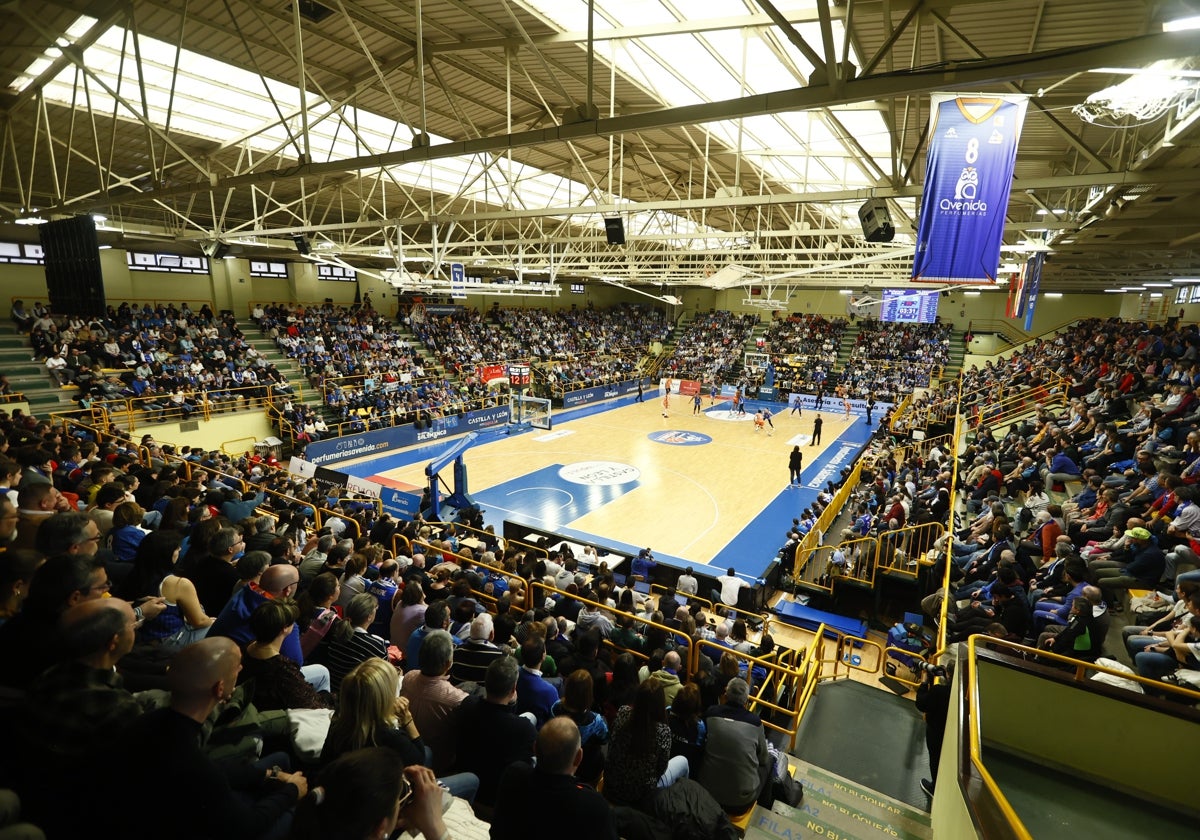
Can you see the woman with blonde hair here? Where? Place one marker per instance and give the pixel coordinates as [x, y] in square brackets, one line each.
[371, 714]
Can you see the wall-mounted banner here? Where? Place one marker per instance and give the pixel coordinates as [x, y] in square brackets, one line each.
[587, 396]
[398, 503]
[968, 175]
[343, 448]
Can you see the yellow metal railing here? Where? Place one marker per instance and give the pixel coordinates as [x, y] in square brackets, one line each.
[129, 411]
[828, 516]
[781, 673]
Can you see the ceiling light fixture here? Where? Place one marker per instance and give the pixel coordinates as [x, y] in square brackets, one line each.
[1182, 24]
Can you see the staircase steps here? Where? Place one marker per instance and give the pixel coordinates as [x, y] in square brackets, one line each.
[835, 807]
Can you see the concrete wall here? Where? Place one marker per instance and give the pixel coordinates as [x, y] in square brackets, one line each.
[1035, 717]
[236, 433]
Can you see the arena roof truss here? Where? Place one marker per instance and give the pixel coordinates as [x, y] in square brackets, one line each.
[501, 133]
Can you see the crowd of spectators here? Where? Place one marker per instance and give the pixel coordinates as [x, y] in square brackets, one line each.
[919, 344]
[1093, 495]
[150, 595]
[886, 381]
[169, 359]
[804, 350]
[711, 347]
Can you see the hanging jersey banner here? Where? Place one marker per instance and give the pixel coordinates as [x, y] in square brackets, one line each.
[968, 175]
[1033, 282]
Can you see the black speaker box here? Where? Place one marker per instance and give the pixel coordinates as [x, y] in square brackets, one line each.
[876, 220]
[74, 282]
[614, 231]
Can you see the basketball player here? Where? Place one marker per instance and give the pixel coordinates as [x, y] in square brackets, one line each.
[766, 415]
[846, 405]
[796, 409]
[667, 399]
[758, 421]
[696, 403]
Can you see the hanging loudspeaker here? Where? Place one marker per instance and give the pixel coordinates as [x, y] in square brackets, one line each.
[614, 230]
[876, 220]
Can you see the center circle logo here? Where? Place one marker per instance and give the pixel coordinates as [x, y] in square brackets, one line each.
[599, 473]
[679, 437]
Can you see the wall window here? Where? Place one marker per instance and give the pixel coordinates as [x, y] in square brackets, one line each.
[170, 263]
[21, 253]
[336, 273]
[262, 268]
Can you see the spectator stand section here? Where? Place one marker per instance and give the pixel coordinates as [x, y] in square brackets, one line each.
[804, 350]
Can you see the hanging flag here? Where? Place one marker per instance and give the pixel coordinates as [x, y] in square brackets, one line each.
[968, 174]
[1033, 280]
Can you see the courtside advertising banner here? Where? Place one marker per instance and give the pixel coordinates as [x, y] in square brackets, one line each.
[968, 175]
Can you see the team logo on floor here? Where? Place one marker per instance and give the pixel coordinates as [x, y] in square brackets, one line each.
[599, 473]
[729, 416]
[679, 437]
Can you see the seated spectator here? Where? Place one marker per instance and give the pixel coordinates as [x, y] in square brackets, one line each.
[689, 732]
[534, 693]
[668, 675]
[349, 642]
[278, 681]
[490, 734]
[639, 754]
[214, 575]
[1179, 648]
[182, 620]
[472, 658]
[29, 642]
[737, 763]
[316, 614]
[177, 783]
[127, 531]
[75, 713]
[1142, 569]
[577, 703]
[366, 794]
[432, 699]
[277, 582]
[535, 803]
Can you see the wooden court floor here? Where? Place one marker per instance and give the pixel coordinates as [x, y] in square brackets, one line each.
[692, 496]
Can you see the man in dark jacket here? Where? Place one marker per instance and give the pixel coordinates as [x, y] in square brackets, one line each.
[536, 803]
[737, 763]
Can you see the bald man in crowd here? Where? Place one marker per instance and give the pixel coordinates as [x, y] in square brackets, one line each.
[535, 803]
[163, 778]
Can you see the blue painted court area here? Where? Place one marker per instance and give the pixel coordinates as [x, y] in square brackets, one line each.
[547, 499]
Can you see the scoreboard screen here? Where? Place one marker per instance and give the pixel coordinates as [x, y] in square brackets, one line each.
[909, 306]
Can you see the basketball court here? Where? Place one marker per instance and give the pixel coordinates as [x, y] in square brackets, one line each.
[703, 489]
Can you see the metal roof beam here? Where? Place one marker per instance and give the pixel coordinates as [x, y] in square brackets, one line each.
[964, 75]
